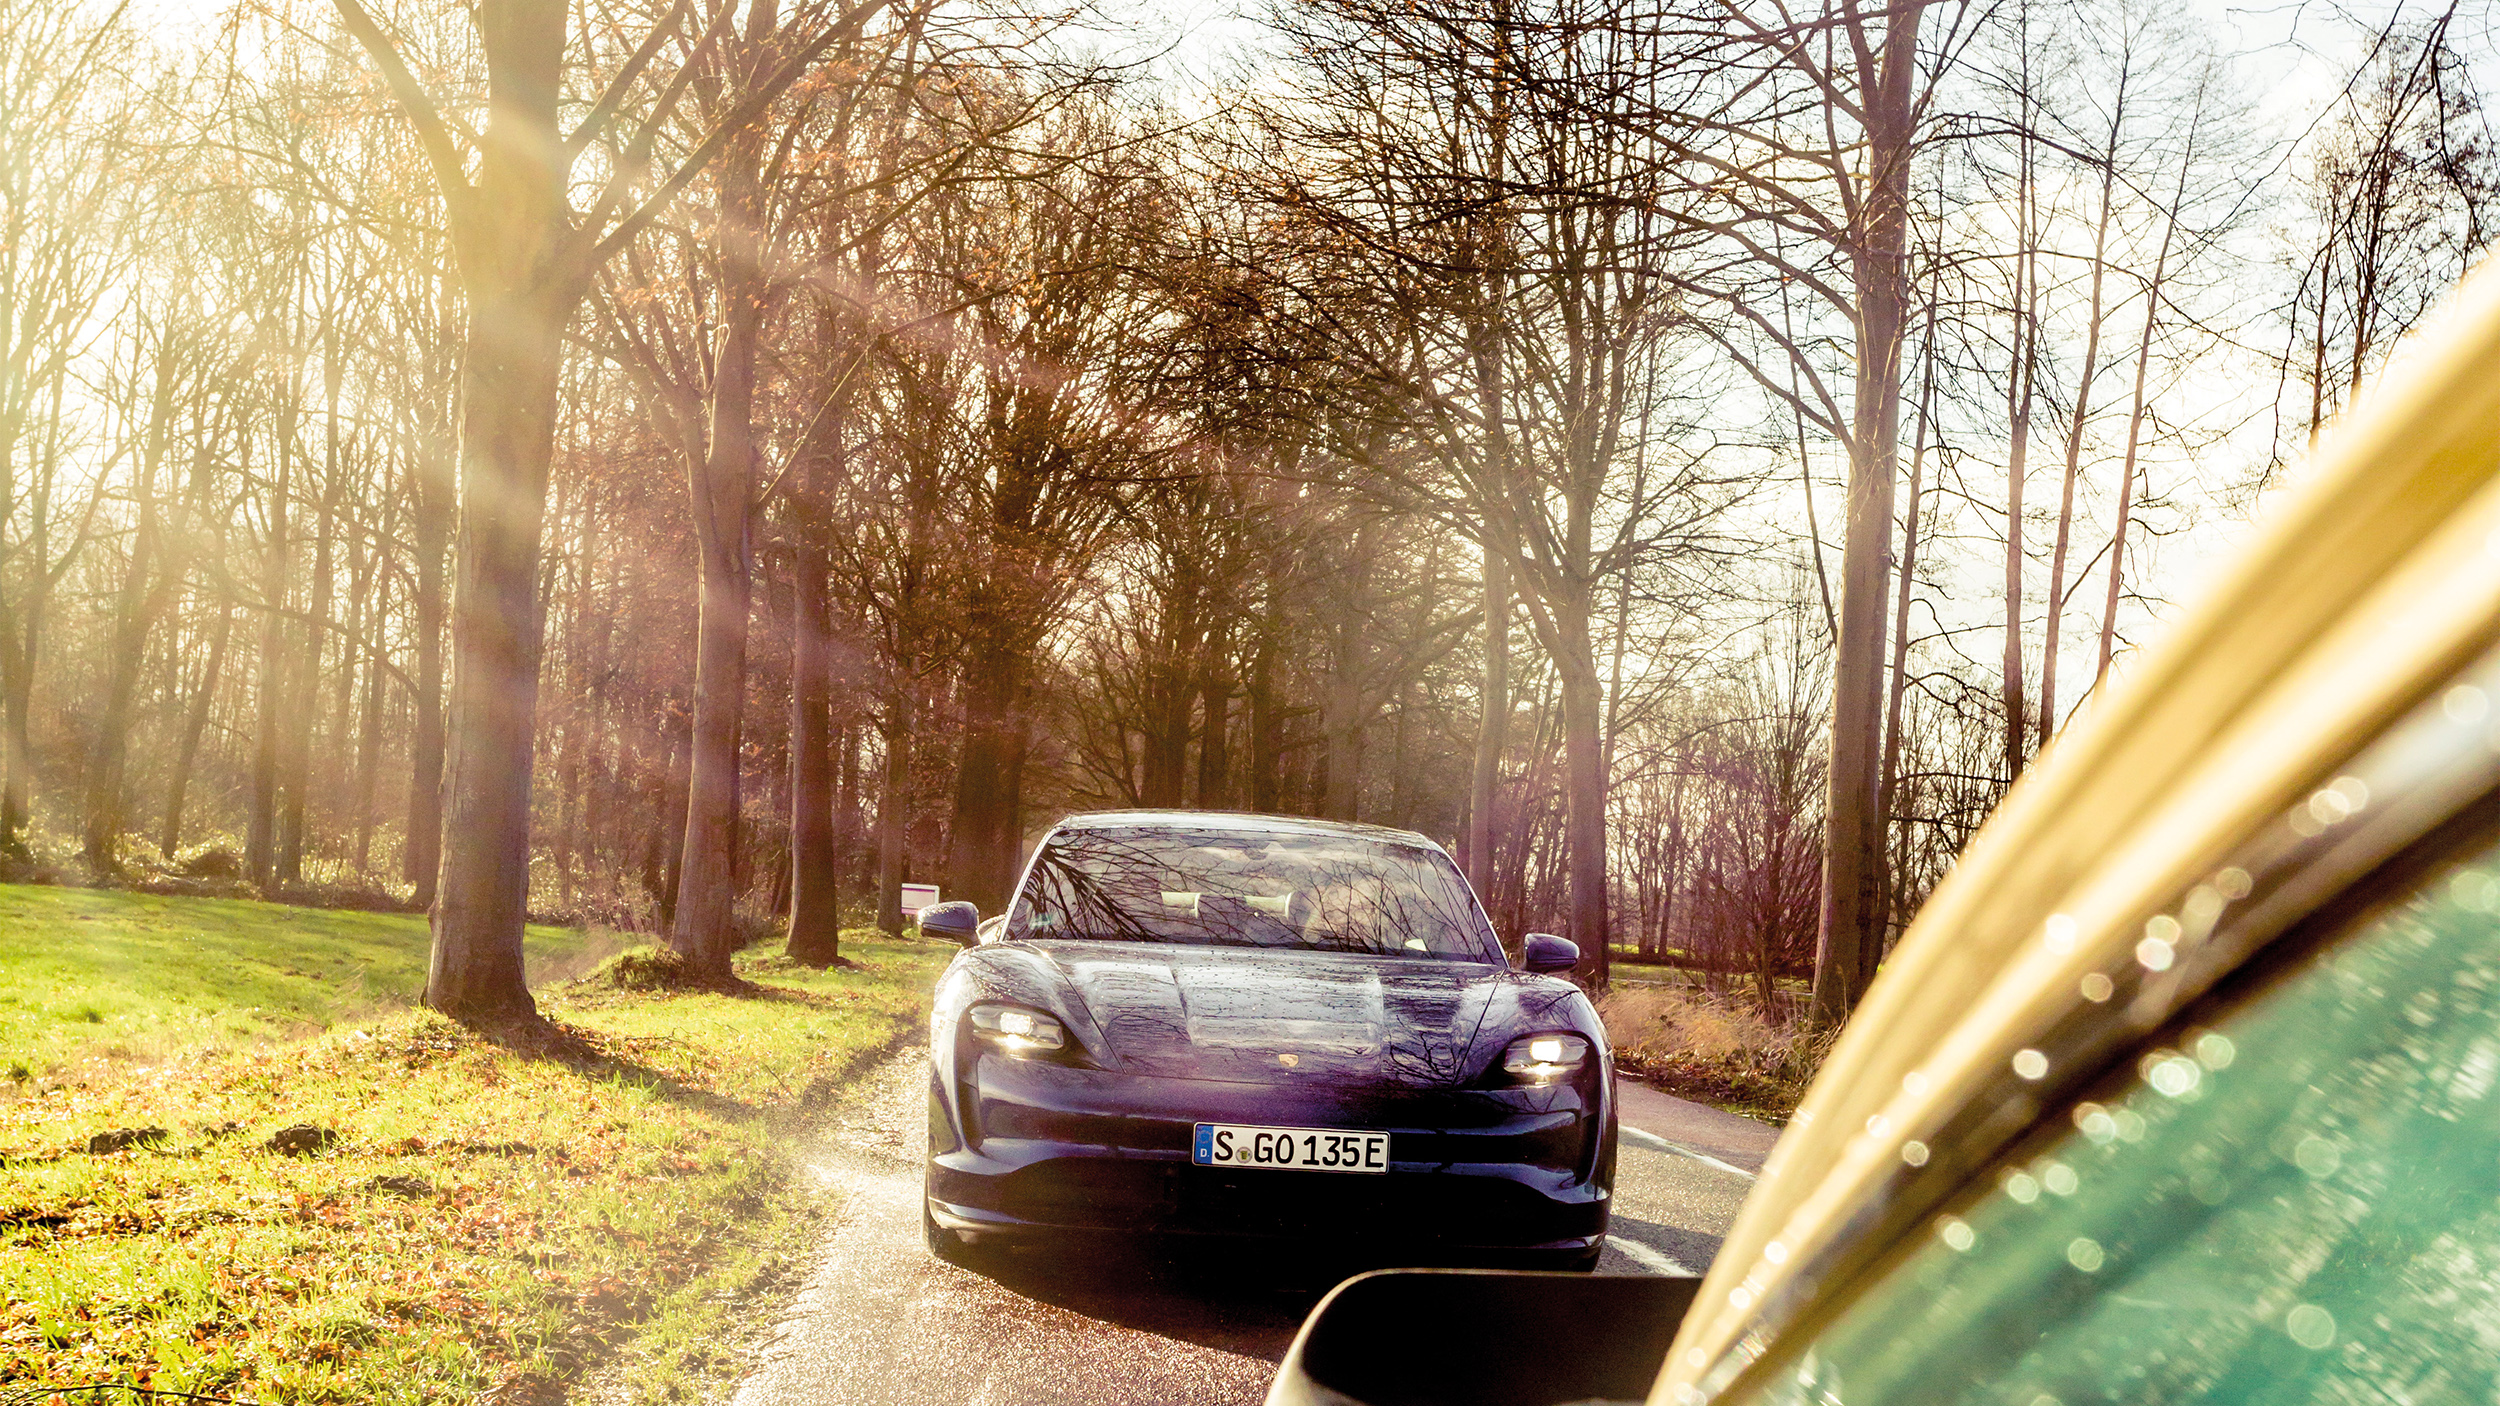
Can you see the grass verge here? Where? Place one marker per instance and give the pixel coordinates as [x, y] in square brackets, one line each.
[94, 972]
[398, 1211]
[1711, 1049]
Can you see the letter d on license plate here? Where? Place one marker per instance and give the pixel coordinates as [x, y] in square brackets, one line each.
[1301, 1149]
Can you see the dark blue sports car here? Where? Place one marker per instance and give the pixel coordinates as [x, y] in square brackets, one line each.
[1195, 1024]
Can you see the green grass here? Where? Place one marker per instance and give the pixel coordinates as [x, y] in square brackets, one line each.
[95, 972]
[617, 1198]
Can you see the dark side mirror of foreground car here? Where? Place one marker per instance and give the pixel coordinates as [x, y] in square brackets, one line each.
[1479, 1337]
[958, 922]
[1544, 952]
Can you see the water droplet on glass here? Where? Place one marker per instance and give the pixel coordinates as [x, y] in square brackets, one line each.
[2174, 1075]
[2095, 1123]
[2475, 891]
[2208, 1186]
[2199, 909]
[2310, 1326]
[2317, 1157]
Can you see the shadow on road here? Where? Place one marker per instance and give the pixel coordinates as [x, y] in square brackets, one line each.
[1248, 1303]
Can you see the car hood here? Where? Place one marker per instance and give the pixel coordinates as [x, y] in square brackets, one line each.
[1251, 1015]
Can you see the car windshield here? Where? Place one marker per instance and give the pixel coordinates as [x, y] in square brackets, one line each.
[1218, 888]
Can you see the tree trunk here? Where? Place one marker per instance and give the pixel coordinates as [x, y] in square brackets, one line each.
[815, 909]
[1849, 935]
[1267, 724]
[2021, 383]
[432, 496]
[893, 813]
[1215, 758]
[260, 849]
[1584, 785]
[989, 782]
[1898, 688]
[1341, 730]
[1492, 725]
[21, 639]
[650, 769]
[304, 704]
[141, 598]
[1166, 723]
[368, 765]
[848, 824]
[522, 280]
[672, 817]
[193, 725]
[569, 746]
[723, 491]
[2135, 419]
[507, 436]
[2074, 434]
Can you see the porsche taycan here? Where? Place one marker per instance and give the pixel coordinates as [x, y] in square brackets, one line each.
[1241, 1027]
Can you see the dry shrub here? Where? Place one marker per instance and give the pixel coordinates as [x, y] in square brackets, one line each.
[1713, 1049]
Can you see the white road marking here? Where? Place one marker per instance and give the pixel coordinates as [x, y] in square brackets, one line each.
[1651, 1258]
[1652, 1140]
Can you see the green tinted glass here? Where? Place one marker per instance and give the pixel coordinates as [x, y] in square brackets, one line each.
[2301, 1204]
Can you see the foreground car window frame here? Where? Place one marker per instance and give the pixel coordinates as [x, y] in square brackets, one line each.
[2254, 1210]
[2421, 798]
[2370, 590]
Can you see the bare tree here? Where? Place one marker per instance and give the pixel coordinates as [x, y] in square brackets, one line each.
[526, 257]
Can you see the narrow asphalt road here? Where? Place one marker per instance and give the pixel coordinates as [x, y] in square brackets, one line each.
[883, 1323]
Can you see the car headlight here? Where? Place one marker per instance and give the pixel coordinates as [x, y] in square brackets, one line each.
[1018, 1030]
[1542, 1059]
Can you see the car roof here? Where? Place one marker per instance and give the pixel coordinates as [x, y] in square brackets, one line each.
[2369, 586]
[1237, 822]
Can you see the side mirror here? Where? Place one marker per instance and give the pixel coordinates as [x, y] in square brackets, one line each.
[1455, 1337]
[958, 922]
[1542, 952]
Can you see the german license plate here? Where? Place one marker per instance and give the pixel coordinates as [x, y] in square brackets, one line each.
[1301, 1149]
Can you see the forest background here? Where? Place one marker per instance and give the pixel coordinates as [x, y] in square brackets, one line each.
[1687, 457]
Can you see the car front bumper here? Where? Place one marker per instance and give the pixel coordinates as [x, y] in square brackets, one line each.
[1051, 1147]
